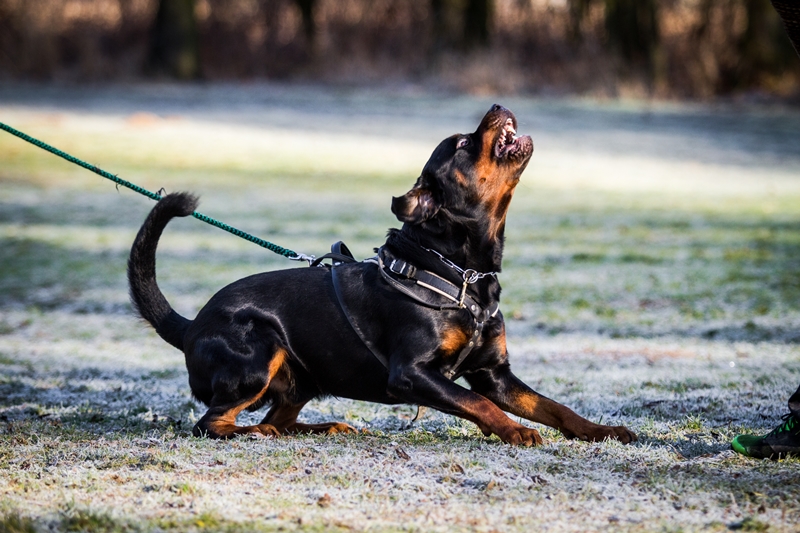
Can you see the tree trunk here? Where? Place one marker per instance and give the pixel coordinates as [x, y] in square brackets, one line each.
[174, 49]
[477, 20]
[577, 12]
[632, 26]
[438, 27]
[307, 8]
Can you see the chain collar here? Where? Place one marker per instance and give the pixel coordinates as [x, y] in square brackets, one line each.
[469, 275]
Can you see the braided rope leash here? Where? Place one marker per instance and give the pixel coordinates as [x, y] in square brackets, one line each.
[285, 252]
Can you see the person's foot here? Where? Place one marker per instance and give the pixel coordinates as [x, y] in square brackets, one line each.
[783, 441]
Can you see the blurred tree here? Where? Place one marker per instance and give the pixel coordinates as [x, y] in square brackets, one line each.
[463, 24]
[9, 40]
[632, 27]
[704, 18]
[706, 48]
[763, 47]
[578, 10]
[307, 8]
[438, 26]
[477, 21]
[174, 49]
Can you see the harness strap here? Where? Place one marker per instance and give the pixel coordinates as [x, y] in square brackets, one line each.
[466, 350]
[430, 281]
[441, 286]
[364, 339]
[340, 253]
[423, 278]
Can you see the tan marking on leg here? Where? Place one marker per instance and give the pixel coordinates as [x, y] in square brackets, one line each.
[536, 408]
[223, 425]
[453, 341]
[498, 343]
[275, 365]
[491, 419]
[526, 402]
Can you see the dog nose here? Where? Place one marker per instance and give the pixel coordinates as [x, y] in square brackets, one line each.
[497, 107]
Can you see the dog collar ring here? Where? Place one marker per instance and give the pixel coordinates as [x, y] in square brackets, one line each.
[469, 275]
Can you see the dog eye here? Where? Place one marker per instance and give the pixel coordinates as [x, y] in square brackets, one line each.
[462, 142]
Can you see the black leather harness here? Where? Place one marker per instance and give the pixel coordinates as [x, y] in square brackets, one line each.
[422, 286]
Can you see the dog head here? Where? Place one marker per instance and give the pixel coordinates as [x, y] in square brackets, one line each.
[470, 177]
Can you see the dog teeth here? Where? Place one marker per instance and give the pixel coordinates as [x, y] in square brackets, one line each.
[508, 136]
[509, 132]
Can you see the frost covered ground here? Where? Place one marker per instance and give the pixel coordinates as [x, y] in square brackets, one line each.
[652, 278]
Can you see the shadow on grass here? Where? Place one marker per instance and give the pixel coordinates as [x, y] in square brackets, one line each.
[91, 402]
[691, 447]
[74, 518]
[51, 276]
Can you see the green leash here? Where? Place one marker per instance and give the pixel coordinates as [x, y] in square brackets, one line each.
[290, 254]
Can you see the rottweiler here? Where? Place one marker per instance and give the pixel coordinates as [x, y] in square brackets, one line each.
[400, 327]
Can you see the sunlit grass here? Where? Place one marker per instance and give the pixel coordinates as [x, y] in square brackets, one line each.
[627, 246]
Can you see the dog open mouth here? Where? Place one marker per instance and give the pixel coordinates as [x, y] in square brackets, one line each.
[508, 145]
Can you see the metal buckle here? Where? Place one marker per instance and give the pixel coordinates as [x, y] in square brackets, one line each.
[400, 269]
[304, 257]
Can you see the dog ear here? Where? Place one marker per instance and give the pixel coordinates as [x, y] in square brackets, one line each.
[414, 207]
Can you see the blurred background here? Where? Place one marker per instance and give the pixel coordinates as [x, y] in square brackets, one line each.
[608, 48]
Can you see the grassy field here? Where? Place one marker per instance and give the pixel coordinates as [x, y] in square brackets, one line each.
[651, 278]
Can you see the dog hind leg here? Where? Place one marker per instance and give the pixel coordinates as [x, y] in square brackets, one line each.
[219, 422]
[284, 418]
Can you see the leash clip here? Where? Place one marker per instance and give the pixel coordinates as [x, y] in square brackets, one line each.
[469, 276]
[463, 294]
[303, 257]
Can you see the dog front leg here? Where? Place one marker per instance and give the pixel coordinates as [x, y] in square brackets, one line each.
[429, 388]
[506, 390]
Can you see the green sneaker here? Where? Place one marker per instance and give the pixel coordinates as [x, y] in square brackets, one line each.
[783, 441]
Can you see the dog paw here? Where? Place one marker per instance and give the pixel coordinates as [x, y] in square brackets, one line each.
[622, 434]
[265, 430]
[340, 427]
[520, 436]
[329, 428]
[598, 433]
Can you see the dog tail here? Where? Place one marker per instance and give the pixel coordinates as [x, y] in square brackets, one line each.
[145, 294]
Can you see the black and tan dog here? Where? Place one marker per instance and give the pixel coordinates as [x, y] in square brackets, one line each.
[398, 328]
